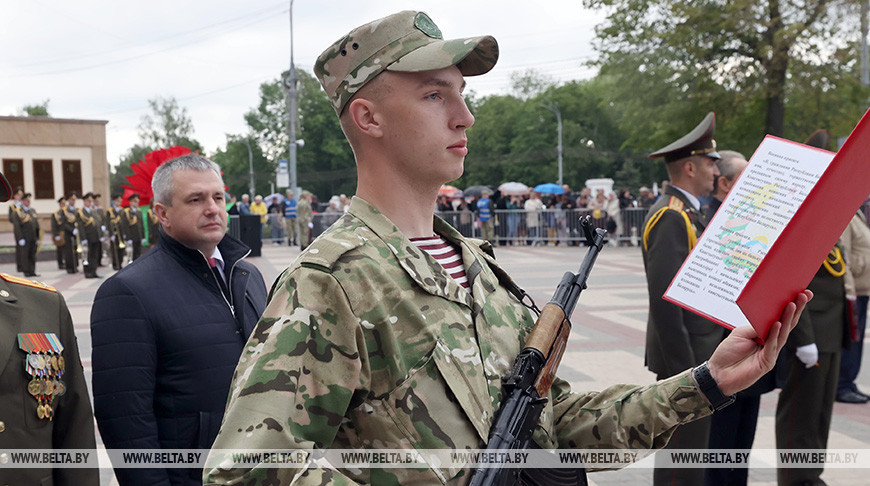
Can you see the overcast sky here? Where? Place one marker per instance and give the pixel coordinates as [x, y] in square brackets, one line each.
[103, 60]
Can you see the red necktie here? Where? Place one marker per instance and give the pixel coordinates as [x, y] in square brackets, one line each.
[212, 262]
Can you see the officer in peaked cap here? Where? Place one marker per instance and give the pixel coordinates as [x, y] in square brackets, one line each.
[45, 402]
[89, 232]
[697, 142]
[27, 231]
[677, 339]
[57, 233]
[133, 226]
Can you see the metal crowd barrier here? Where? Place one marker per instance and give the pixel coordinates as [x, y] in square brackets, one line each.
[512, 227]
[550, 226]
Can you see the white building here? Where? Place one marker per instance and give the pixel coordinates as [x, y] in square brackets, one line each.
[51, 157]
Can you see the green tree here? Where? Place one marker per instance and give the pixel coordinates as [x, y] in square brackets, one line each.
[268, 121]
[530, 83]
[325, 165]
[668, 62]
[167, 124]
[119, 174]
[235, 162]
[516, 139]
[38, 109]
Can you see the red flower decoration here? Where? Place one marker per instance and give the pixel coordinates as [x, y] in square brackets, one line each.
[140, 182]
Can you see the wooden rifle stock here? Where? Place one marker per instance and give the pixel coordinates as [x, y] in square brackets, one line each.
[528, 385]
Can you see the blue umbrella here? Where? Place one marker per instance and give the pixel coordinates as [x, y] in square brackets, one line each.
[549, 188]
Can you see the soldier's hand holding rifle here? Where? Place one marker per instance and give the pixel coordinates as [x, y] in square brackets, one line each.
[740, 361]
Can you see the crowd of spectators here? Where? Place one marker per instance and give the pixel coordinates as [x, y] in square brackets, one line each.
[530, 218]
[533, 218]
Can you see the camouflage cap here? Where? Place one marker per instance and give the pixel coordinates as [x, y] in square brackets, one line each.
[404, 42]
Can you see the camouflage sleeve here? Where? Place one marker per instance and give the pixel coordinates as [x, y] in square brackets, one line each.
[626, 416]
[294, 382]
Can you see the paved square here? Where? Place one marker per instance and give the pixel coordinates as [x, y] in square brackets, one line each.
[606, 345]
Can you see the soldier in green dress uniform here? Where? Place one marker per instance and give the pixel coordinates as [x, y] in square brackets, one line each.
[677, 339]
[57, 234]
[45, 403]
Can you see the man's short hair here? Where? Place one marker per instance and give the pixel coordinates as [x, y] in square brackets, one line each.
[161, 183]
[727, 168]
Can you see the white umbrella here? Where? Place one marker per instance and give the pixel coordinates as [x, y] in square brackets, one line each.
[272, 198]
[513, 189]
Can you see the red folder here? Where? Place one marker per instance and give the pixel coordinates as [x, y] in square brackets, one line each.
[806, 240]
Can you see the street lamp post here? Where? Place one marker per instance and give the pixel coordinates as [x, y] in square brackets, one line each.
[250, 166]
[290, 82]
[555, 109]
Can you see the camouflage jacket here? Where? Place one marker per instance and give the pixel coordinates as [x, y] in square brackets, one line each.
[367, 343]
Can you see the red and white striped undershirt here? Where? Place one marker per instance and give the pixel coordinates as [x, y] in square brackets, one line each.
[446, 254]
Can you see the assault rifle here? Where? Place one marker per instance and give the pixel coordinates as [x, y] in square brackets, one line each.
[527, 386]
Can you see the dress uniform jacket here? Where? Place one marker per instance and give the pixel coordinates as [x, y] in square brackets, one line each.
[676, 339]
[165, 343]
[70, 249]
[28, 307]
[133, 229]
[28, 230]
[90, 231]
[153, 227]
[367, 342]
[116, 238]
[58, 236]
[13, 218]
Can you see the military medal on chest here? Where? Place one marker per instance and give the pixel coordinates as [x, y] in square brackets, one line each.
[45, 364]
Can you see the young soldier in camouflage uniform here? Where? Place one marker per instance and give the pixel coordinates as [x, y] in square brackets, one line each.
[369, 343]
[304, 215]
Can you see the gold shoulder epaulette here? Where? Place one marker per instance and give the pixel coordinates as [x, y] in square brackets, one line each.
[673, 204]
[28, 283]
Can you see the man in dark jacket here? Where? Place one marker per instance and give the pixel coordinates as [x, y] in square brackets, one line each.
[168, 329]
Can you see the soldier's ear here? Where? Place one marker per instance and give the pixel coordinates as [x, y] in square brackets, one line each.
[364, 117]
[689, 168]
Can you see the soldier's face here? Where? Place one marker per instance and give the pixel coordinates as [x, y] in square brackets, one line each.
[425, 121]
[706, 174]
[197, 217]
